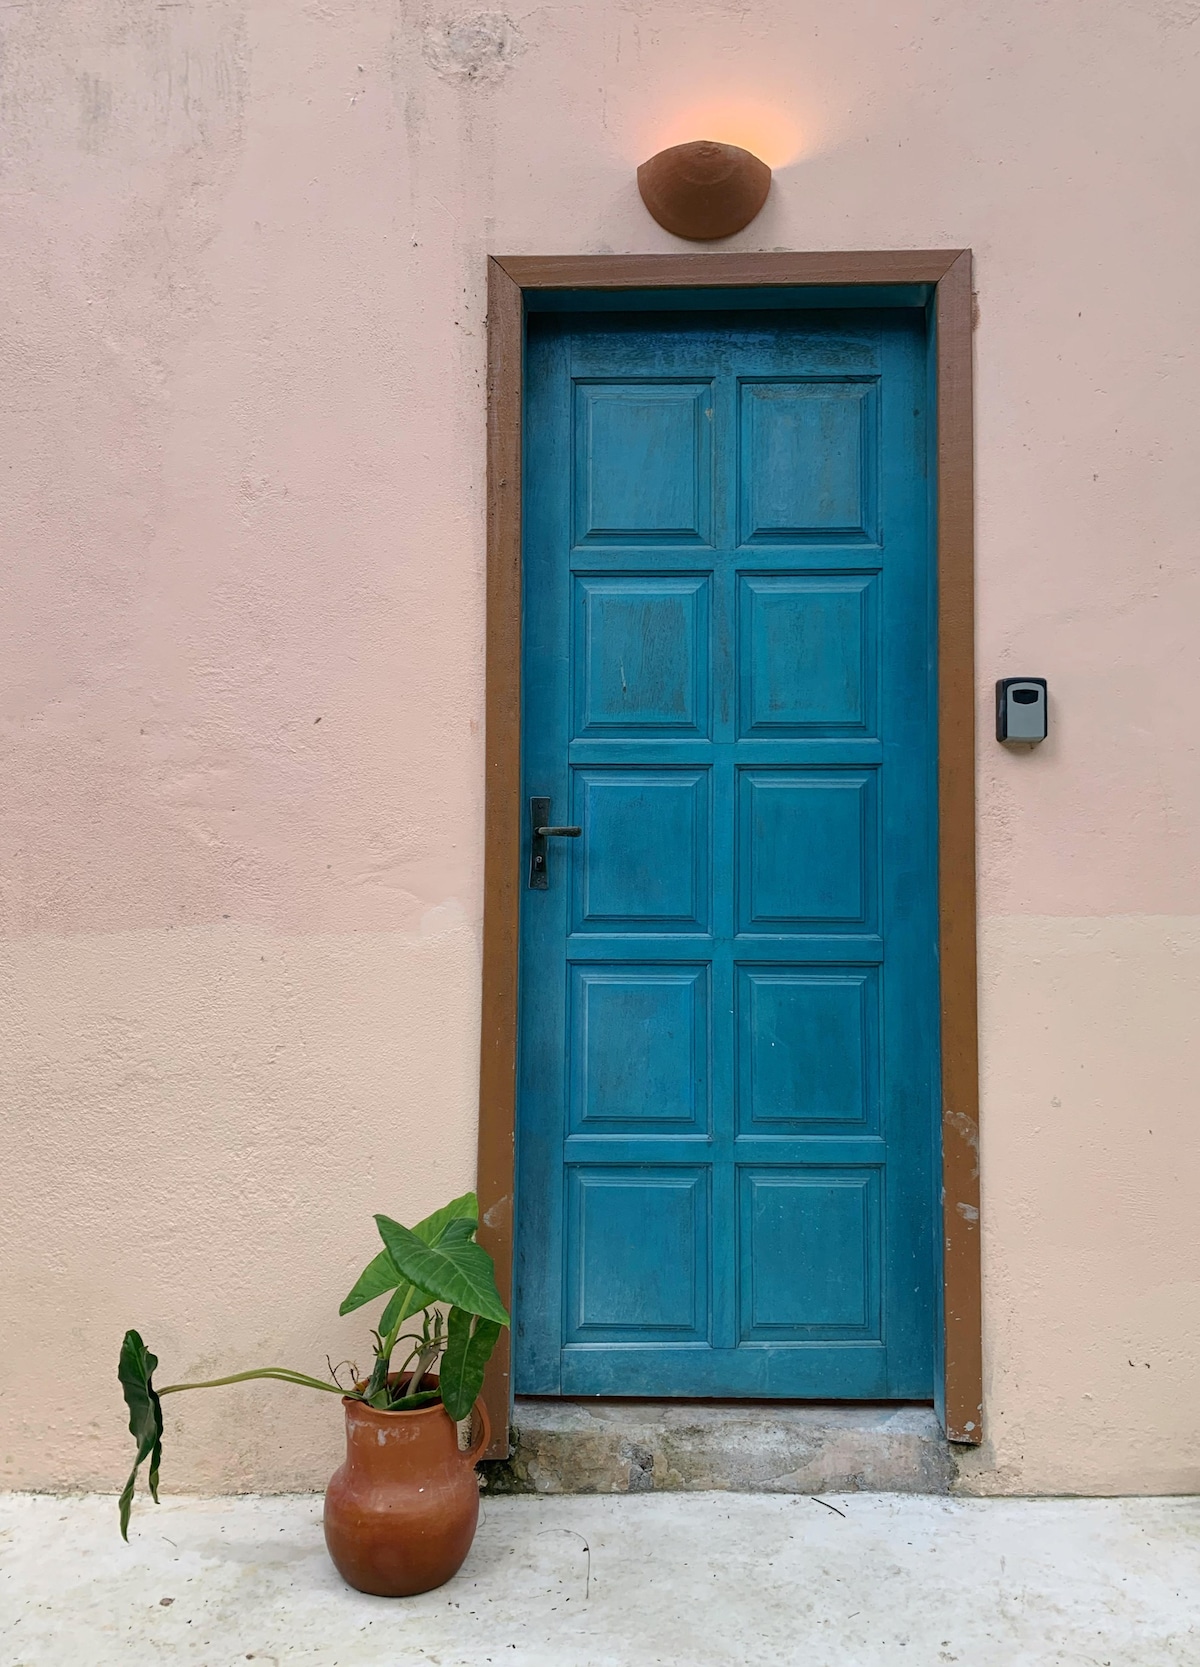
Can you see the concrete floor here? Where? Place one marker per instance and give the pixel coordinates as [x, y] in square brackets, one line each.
[693, 1579]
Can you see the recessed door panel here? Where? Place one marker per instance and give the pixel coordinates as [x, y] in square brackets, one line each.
[642, 462]
[639, 1043]
[809, 1242]
[808, 461]
[637, 1255]
[641, 655]
[807, 1049]
[809, 654]
[807, 849]
[645, 839]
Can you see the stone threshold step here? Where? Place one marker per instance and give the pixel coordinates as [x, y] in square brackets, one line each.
[687, 1446]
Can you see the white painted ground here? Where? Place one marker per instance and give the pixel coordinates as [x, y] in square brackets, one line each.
[696, 1579]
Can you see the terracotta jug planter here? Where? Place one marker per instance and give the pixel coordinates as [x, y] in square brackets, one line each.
[401, 1512]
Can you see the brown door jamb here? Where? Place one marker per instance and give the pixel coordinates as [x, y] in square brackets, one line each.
[949, 271]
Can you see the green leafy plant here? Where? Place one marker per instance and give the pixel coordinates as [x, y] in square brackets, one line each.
[434, 1276]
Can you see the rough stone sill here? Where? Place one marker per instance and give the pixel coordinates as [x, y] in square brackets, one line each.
[684, 1447]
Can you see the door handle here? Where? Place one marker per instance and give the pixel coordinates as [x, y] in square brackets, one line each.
[539, 832]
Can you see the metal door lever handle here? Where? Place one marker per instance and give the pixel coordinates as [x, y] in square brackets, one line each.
[540, 830]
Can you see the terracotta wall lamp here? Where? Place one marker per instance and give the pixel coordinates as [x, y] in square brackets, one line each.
[704, 190]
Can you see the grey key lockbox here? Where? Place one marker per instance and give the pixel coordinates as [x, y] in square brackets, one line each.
[1021, 710]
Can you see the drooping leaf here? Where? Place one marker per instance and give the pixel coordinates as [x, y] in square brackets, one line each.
[457, 1272]
[136, 1371]
[381, 1275]
[469, 1346]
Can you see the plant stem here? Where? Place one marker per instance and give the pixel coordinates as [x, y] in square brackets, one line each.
[280, 1373]
[424, 1361]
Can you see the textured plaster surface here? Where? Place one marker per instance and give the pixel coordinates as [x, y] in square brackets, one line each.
[856, 1580]
[242, 531]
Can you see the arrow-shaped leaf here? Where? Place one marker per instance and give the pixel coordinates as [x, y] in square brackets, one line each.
[457, 1272]
[136, 1370]
[382, 1275]
[469, 1346]
[407, 1300]
[377, 1277]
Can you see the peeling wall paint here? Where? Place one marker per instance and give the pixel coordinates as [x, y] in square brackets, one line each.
[242, 650]
[480, 46]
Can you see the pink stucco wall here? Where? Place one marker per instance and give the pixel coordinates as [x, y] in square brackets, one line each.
[241, 646]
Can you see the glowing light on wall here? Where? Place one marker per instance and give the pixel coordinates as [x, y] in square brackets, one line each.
[771, 133]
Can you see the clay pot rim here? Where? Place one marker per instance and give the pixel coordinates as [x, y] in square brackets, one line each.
[394, 1412]
[431, 1380]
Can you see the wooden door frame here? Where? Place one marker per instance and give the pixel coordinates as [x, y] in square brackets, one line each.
[948, 273]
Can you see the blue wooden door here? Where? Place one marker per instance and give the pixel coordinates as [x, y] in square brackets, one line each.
[728, 1014]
